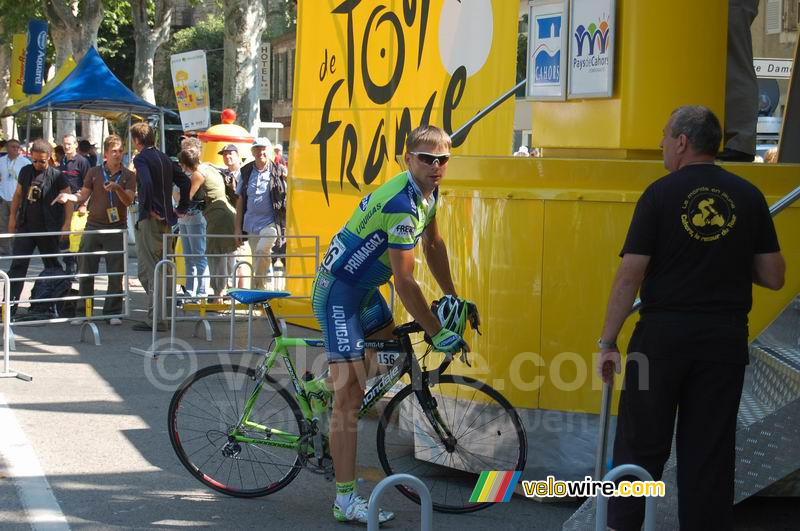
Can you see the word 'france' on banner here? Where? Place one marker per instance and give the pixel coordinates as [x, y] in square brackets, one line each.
[34, 57]
[494, 486]
[190, 80]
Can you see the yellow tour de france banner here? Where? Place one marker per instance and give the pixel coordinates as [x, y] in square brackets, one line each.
[19, 44]
[369, 72]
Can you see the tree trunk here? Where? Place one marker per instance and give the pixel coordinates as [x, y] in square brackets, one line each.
[148, 39]
[73, 27]
[5, 80]
[65, 121]
[245, 22]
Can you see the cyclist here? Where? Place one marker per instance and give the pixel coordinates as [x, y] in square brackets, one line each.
[377, 242]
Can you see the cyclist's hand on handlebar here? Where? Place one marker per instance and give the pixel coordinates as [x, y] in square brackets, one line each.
[448, 342]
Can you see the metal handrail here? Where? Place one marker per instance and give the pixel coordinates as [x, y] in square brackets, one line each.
[464, 129]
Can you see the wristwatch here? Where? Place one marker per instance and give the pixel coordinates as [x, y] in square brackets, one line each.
[606, 344]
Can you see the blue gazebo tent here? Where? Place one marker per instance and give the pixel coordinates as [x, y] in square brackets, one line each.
[92, 88]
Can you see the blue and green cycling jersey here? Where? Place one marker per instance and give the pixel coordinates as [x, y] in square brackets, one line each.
[392, 217]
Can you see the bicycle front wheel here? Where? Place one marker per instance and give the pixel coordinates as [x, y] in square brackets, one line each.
[487, 434]
[204, 430]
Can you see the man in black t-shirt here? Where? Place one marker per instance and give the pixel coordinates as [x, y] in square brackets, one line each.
[699, 238]
[32, 211]
[74, 167]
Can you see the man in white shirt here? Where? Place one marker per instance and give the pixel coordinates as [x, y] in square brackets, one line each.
[10, 166]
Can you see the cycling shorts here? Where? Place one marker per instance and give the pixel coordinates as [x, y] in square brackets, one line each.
[347, 315]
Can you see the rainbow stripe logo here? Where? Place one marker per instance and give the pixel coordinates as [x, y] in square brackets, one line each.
[495, 486]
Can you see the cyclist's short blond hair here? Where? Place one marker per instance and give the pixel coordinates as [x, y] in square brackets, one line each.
[428, 134]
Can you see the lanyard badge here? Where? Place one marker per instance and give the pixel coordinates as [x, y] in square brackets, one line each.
[112, 212]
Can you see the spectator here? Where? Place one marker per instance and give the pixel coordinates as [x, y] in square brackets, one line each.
[232, 173]
[260, 207]
[209, 186]
[192, 230]
[771, 156]
[522, 152]
[155, 175]
[74, 167]
[57, 156]
[699, 238]
[89, 151]
[32, 210]
[10, 166]
[110, 190]
[280, 160]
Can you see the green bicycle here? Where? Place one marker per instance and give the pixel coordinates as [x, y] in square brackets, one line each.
[242, 433]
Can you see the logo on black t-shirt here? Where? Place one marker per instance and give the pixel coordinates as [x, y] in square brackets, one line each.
[708, 214]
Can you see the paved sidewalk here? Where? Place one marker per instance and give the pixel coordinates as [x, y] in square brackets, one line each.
[95, 418]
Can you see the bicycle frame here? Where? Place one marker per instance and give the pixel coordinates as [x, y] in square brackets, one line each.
[404, 362]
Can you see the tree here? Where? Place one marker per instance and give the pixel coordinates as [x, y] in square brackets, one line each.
[73, 28]
[114, 40]
[151, 30]
[245, 21]
[207, 35]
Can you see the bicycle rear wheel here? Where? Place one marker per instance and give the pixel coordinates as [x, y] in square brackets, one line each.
[487, 435]
[203, 415]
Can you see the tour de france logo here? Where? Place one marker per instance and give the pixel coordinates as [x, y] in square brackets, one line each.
[708, 214]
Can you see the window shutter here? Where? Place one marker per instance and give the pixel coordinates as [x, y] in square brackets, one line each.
[773, 17]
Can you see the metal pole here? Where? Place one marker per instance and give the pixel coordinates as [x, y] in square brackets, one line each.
[28, 130]
[7, 372]
[130, 152]
[464, 129]
[161, 128]
[784, 202]
[602, 437]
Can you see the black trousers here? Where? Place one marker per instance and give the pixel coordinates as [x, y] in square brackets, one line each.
[25, 246]
[705, 395]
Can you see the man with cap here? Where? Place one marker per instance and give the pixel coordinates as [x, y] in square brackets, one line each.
[231, 174]
[261, 206]
[232, 170]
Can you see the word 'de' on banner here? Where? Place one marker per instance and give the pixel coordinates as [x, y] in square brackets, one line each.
[190, 80]
[19, 43]
[34, 57]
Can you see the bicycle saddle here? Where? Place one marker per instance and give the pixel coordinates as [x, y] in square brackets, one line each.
[255, 296]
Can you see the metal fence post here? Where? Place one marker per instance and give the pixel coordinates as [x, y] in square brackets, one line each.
[7, 372]
[601, 516]
[425, 504]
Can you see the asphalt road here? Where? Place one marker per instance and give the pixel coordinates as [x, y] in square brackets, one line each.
[94, 419]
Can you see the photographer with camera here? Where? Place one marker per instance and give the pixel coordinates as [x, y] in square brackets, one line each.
[31, 211]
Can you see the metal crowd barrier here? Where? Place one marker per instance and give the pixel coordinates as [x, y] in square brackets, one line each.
[7, 372]
[88, 317]
[425, 503]
[601, 516]
[161, 299]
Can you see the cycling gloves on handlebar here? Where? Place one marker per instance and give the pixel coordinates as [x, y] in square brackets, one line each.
[447, 341]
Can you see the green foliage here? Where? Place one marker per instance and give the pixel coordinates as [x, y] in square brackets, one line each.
[15, 15]
[115, 38]
[281, 18]
[208, 36]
